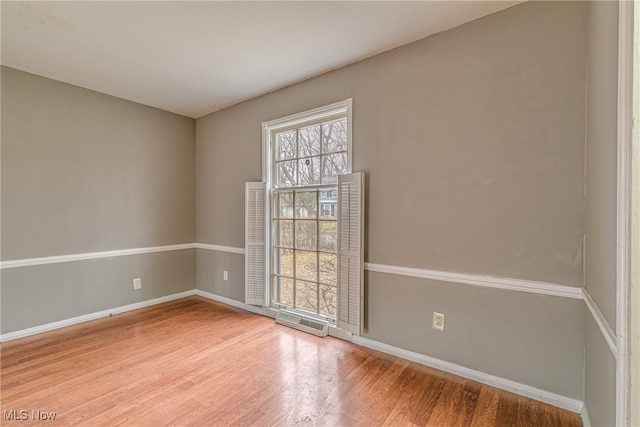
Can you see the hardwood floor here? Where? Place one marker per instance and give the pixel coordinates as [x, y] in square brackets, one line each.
[201, 363]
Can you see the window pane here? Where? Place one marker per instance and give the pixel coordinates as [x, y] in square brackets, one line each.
[306, 204]
[328, 236]
[328, 297]
[306, 235]
[283, 262]
[332, 166]
[307, 265]
[309, 142]
[284, 203]
[334, 136]
[328, 268]
[306, 295]
[283, 291]
[328, 204]
[284, 233]
[286, 145]
[286, 173]
[309, 171]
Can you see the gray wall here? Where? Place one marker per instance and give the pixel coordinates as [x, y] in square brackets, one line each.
[600, 206]
[473, 145]
[86, 172]
[532, 339]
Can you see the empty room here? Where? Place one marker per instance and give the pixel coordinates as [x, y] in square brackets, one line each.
[322, 213]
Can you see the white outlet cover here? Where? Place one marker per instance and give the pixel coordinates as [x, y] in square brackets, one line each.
[137, 284]
[438, 321]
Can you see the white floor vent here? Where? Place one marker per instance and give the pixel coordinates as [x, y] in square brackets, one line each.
[303, 323]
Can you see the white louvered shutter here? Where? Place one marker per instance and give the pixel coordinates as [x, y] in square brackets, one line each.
[350, 252]
[254, 271]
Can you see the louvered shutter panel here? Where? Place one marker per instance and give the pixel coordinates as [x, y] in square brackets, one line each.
[350, 252]
[255, 244]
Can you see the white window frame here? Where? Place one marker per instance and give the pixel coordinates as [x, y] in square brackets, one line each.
[298, 120]
[294, 120]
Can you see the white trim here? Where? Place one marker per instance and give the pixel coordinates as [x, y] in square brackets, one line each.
[633, 295]
[624, 140]
[607, 332]
[30, 262]
[238, 304]
[554, 399]
[313, 114]
[349, 106]
[505, 283]
[340, 333]
[220, 248]
[91, 316]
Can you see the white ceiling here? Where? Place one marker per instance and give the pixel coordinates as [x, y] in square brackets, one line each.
[193, 58]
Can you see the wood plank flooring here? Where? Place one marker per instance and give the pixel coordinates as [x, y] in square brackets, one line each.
[195, 362]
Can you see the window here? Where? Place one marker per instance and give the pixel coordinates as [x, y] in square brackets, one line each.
[303, 229]
[307, 153]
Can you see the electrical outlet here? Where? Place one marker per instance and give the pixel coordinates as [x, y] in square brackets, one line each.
[137, 284]
[225, 275]
[438, 321]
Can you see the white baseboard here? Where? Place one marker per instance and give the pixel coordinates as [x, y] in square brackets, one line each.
[563, 402]
[238, 304]
[340, 333]
[91, 316]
